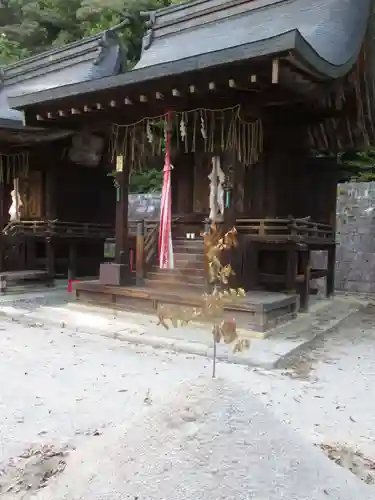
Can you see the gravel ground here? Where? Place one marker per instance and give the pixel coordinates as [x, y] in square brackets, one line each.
[62, 391]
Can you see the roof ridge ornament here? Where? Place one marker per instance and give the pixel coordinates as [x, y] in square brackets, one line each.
[150, 15]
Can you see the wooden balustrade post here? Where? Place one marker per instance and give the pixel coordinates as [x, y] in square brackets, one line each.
[140, 253]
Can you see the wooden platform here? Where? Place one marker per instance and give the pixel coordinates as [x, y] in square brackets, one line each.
[258, 311]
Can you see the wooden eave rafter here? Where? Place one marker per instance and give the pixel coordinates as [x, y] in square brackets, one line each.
[264, 80]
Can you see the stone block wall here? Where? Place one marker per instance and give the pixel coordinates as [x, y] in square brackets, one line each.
[144, 206]
[355, 256]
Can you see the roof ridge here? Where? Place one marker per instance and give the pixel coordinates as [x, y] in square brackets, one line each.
[222, 4]
[56, 51]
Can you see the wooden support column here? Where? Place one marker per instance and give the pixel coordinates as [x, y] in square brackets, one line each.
[305, 286]
[31, 253]
[331, 266]
[207, 279]
[122, 243]
[292, 268]
[140, 252]
[118, 272]
[50, 258]
[72, 265]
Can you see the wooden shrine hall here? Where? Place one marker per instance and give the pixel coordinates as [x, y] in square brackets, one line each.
[57, 202]
[255, 97]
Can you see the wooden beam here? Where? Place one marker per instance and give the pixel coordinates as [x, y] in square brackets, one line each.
[122, 241]
[275, 71]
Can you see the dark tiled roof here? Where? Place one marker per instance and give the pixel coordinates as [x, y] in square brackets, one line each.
[326, 35]
[88, 59]
[333, 29]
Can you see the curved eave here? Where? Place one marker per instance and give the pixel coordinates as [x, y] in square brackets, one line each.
[320, 68]
[290, 42]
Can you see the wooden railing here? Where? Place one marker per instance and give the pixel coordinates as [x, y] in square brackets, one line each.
[151, 245]
[142, 247]
[44, 228]
[146, 248]
[287, 228]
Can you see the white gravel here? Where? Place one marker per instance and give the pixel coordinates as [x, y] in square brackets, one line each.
[86, 392]
[212, 441]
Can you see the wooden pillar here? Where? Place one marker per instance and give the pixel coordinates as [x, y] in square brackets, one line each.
[305, 286]
[31, 253]
[72, 265]
[139, 252]
[331, 267]
[118, 272]
[122, 244]
[50, 258]
[292, 269]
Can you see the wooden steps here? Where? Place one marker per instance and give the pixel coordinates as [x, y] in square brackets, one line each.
[188, 274]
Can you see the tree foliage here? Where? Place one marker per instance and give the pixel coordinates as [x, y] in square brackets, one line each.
[30, 27]
[147, 181]
[212, 304]
[360, 163]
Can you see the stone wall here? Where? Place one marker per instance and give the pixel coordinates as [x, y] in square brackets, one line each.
[355, 257]
[144, 206]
